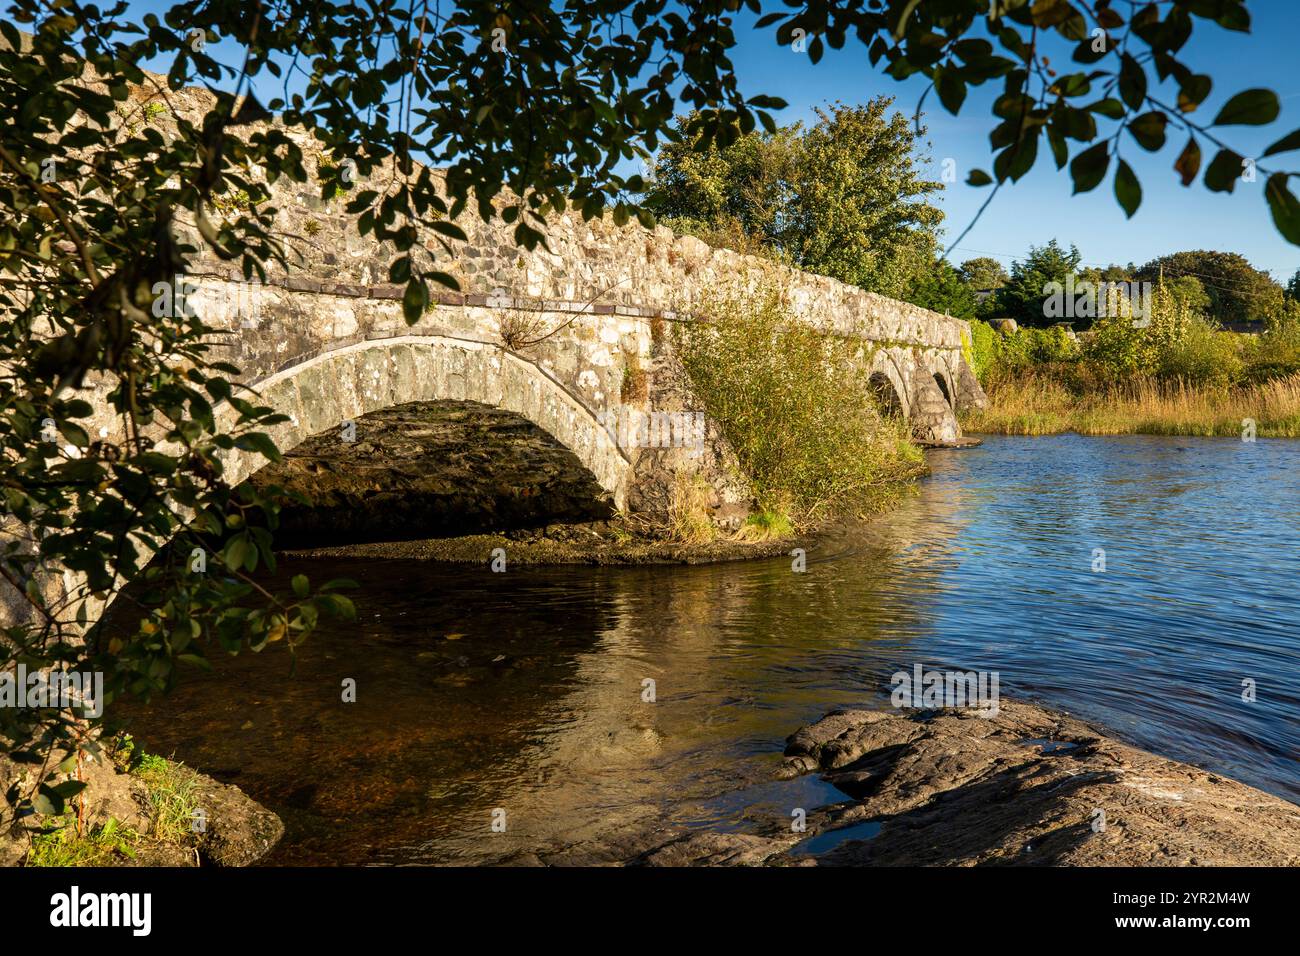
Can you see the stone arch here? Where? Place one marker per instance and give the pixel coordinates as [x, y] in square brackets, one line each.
[885, 393]
[343, 384]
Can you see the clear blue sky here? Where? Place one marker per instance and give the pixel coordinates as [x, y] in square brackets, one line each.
[1040, 207]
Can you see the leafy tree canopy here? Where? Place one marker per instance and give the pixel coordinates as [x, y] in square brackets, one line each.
[983, 272]
[1237, 291]
[1022, 297]
[843, 197]
[942, 288]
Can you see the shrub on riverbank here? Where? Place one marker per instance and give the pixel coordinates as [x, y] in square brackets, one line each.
[1176, 373]
[791, 403]
[1176, 344]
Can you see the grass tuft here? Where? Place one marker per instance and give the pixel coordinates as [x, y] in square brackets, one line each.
[765, 526]
[172, 789]
[688, 509]
[61, 846]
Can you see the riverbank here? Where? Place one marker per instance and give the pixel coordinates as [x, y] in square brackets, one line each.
[617, 541]
[1036, 404]
[1026, 786]
[612, 542]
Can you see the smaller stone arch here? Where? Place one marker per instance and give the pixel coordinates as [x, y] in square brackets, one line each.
[944, 388]
[886, 372]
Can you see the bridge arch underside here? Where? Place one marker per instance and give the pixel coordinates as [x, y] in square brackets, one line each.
[425, 437]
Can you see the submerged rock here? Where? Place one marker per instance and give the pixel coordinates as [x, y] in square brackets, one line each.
[239, 830]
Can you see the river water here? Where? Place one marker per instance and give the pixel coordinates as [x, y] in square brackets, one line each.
[522, 697]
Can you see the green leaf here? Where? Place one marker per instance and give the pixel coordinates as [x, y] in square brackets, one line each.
[1132, 82]
[1017, 159]
[339, 605]
[1110, 108]
[1284, 145]
[1193, 90]
[236, 551]
[69, 788]
[47, 802]
[1149, 130]
[1127, 189]
[1089, 167]
[1060, 151]
[156, 462]
[1249, 108]
[259, 442]
[333, 583]
[951, 89]
[1221, 175]
[1284, 207]
[978, 177]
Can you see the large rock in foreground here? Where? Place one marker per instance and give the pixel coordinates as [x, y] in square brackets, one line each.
[1027, 787]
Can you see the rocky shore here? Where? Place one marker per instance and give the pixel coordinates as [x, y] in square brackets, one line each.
[612, 542]
[1027, 787]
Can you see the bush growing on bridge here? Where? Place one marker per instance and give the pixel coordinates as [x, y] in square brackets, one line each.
[794, 405]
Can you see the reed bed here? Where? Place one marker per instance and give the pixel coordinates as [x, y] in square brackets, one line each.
[1039, 405]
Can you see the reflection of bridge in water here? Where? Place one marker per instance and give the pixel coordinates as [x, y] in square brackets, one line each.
[527, 692]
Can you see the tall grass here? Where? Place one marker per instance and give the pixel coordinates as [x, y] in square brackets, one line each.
[1038, 404]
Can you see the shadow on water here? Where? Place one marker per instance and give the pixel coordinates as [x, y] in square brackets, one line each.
[525, 692]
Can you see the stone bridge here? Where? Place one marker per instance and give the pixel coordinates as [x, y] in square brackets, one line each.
[572, 339]
[526, 387]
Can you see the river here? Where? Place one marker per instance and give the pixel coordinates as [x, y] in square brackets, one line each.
[523, 698]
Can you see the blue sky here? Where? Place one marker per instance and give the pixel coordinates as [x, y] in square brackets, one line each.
[1040, 207]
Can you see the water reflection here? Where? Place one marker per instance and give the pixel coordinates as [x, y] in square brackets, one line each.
[525, 692]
